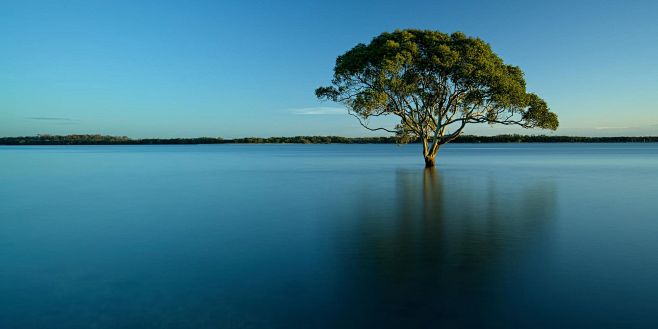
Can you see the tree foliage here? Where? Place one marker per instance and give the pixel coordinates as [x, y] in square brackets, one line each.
[436, 84]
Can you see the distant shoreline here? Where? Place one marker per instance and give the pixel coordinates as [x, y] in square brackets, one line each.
[122, 140]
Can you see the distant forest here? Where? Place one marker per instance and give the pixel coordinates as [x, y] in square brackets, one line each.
[122, 140]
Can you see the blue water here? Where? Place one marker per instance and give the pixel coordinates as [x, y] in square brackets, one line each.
[329, 236]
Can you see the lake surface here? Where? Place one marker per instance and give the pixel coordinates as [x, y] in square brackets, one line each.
[329, 236]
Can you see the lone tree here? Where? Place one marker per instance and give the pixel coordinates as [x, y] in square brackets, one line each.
[436, 84]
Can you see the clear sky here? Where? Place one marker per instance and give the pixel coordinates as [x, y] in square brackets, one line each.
[249, 68]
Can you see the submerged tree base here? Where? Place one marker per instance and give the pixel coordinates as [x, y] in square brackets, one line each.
[430, 162]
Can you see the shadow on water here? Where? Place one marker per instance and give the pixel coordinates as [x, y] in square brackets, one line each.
[439, 248]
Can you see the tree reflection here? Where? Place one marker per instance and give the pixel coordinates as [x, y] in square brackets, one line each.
[440, 250]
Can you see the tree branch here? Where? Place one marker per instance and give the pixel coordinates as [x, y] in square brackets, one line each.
[371, 129]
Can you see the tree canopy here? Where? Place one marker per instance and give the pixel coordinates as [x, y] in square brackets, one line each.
[436, 84]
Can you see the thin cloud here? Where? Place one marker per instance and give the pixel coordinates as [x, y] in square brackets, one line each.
[630, 130]
[319, 111]
[51, 119]
[611, 127]
[608, 128]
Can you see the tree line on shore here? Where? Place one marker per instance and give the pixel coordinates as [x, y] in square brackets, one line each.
[123, 140]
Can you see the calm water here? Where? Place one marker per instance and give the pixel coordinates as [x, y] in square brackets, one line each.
[329, 236]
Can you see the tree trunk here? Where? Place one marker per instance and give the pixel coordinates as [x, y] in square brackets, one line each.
[430, 155]
[429, 161]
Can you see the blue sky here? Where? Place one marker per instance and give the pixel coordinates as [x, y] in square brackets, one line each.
[249, 68]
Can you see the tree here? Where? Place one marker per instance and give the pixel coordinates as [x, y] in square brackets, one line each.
[436, 84]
